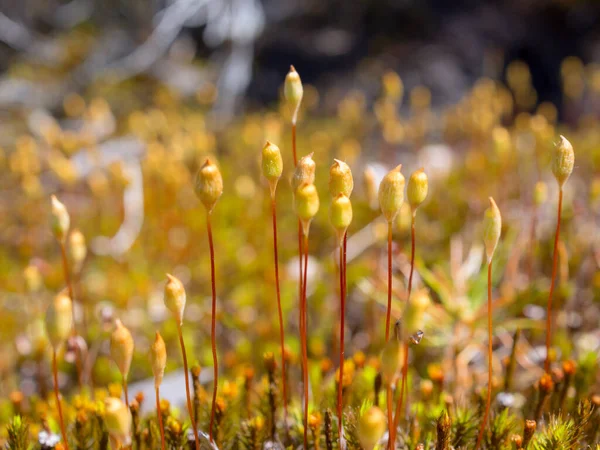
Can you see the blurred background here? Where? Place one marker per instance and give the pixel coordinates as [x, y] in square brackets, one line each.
[246, 45]
[112, 105]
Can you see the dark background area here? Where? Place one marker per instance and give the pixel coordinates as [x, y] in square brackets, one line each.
[445, 45]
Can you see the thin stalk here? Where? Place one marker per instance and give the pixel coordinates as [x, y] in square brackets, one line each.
[213, 329]
[304, 343]
[413, 242]
[65, 264]
[340, 403]
[281, 330]
[58, 405]
[389, 282]
[390, 417]
[160, 419]
[125, 391]
[489, 387]
[412, 253]
[552, 283]
[187, 387]
[294, 142]
[402, 388]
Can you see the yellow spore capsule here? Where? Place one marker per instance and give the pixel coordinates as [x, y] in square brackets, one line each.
[371, 426]
[306, 202]
[492, 227]
[340, 179]
[158, 359]
[60, 220]
[117, 419]
[175, 297]
[77, 249]
[304, 173]
[413, 318]
[293, 91]
[272, 165]
[209, 184]
[563, 160]
[121, 348]
[416, 191]
[340, 215]
[391, 193]
[59, 320]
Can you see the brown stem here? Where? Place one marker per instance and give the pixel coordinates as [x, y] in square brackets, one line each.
[281, 330]
[160, 419]
[213, 329]
[187, 387]
[340, 403]
[65, 264]
[489, 387]
[58, 405]
[389, 280]
[552, 283]
[303, 337]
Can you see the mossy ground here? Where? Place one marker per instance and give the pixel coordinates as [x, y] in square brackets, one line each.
[494, 142]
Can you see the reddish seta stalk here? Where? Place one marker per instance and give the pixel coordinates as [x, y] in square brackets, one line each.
[340, 403]
[160, 419]
[187, 387]
[490, 352]
[389, 282]
[213, 328]
[303, 338]
[390, 416]
[65, 264]
[388, 316]
[552, 283]
[280, 313]
[412, 254]
[58, 404]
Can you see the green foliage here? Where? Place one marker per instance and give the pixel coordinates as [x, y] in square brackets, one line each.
[567, 433]
[18, 434]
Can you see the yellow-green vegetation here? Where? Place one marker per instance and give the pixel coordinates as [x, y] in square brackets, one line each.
[392, 339]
